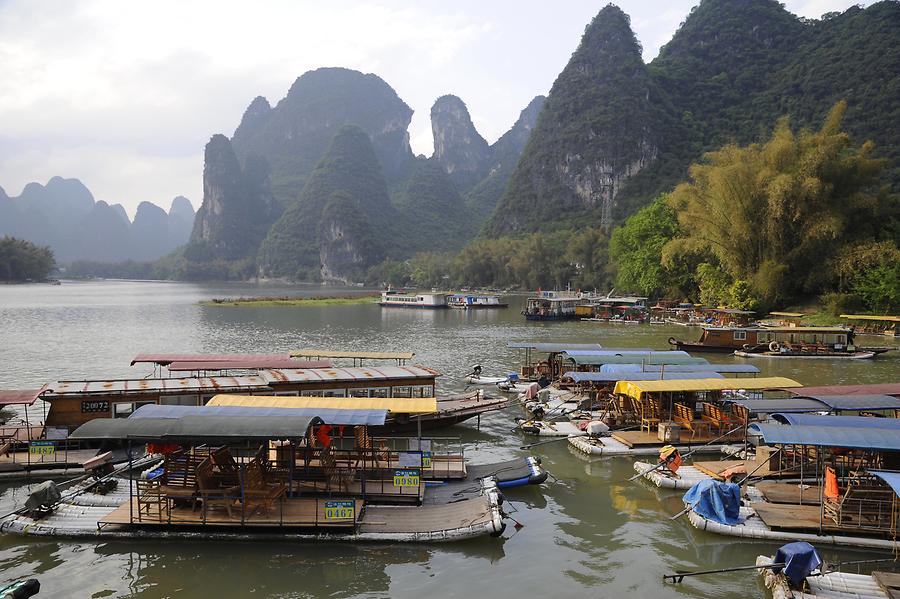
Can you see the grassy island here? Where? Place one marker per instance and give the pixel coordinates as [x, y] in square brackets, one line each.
[266, 302]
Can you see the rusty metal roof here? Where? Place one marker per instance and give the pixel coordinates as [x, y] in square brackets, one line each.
[250, 363]
[382, 373]
[166, 359]
[20, 396]
[167, 385]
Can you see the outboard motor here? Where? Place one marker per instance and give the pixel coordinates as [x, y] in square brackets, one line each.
[42, 499]
[476, 369]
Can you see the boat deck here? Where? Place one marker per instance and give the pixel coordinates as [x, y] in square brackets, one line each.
[792, 493]
[21, 460]
[383, 490]
[637, 439]
[426, 518]
[715, 468]
[299, 512]
[785, 516]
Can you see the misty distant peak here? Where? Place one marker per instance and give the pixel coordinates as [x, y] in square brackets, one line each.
[181, 207]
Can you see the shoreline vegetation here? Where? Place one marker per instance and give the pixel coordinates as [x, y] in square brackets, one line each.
[267, 302]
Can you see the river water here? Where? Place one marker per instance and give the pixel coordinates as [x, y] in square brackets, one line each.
[587, 532]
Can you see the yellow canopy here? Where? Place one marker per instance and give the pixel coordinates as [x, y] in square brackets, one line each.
[356, 355]
[636, 388]
[871, 317]
[397, 405]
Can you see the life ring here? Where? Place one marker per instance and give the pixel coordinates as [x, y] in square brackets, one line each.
[672, 341]
[774, 346]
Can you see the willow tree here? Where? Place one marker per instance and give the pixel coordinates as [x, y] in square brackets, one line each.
[775, 213]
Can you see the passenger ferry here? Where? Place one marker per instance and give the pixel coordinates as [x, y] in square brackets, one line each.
[729, 339]
[550, 305]
[394, 299]
[472, 302]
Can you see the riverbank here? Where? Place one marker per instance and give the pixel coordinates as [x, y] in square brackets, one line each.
[267, 302]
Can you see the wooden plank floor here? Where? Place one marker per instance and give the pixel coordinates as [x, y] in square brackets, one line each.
[790, 493]
[785, 516]
[426, 518]
[644, 439]
[296, 512]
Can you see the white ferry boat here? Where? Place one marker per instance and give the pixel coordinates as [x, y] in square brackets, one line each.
[395, 299]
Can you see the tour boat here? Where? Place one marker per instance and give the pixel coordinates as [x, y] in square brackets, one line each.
[783, 341]
[550, 305]
[428, 301]
[475, 302]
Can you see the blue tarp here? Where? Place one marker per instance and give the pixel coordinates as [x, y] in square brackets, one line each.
[857, 402]
[842, 421]
[828, 436]
[799, 559]
[891, 478]
[716, 500]
[603, 377]
[328, 415]
[722, 368]
[784, 406]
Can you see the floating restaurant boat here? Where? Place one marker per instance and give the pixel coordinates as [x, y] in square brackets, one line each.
[428, 301]
[855, 503]
[270, 477]
[867, 324]
[475, 302]
[550, 305]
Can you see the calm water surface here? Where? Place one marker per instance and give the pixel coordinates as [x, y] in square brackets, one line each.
[586, 533]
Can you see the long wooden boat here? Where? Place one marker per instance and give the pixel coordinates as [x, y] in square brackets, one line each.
[787, 341]
[550, 305]
[828, 585]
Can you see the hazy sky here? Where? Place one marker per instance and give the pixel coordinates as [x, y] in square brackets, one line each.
[124, 95]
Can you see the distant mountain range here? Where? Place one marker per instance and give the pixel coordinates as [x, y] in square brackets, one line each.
[325, 184]
[64, 215]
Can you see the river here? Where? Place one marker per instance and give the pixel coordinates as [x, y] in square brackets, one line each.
[586, 532]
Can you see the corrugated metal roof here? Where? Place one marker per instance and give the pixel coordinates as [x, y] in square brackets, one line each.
[358, 355]
[721, 368]
[771, 406]
[623, 352]
[857, 402]
[636, 359]
[250, 363]
[891, 478]
[197, 429]
[167, 385]
[878, 388]
[606, 377]
[164, 359]
[842, 421]
[397, 405]
[356, 374]
[20, 397]
[551, 347]
[329, 416]
[828, 436]
[636, 388]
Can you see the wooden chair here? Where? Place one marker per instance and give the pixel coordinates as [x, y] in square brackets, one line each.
[257, 490]
[650, 414]
[713, 415]
[338, 476]
[684, 416]
[179, 479]
[152, 505]
[211, 491]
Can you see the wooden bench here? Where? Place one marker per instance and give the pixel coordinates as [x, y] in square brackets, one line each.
[338, 474]
[179, 478]
[713, 415]
[648, 411]
[684, 416]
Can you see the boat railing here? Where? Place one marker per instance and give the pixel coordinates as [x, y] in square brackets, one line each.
[865, 505]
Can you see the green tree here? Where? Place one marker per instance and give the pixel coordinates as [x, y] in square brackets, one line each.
[22, 260]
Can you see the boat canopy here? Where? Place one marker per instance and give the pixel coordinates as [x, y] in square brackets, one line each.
[207, 429]
[877, 388]
[21, 397]
[328, 415]
[354, 374]
[166, 359]
[623, 352]
[637, 388]
[783, 406]
[553, 348]
[891, 478]
[354, 355]
[844, 421]
[787, 314]
[659, 358]
[282, 362]
[857, 402]
[396, 405]
[721, 368]
[828, 436]
[612, 377]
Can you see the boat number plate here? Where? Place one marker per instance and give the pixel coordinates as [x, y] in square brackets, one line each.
[340, 510]
[95, 406]
[406, 478]
[42, 448]
[426, 459]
